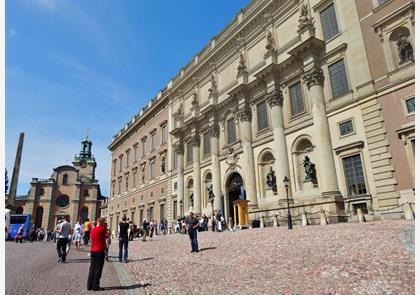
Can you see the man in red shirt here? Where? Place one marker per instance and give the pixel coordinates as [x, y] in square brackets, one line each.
[98, 236]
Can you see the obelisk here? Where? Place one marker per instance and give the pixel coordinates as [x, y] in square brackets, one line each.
[15, 176]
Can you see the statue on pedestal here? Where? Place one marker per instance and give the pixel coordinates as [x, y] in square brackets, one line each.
[405, 50]
[271, 180]
[305, 19]
[309, 169]
[210, 191]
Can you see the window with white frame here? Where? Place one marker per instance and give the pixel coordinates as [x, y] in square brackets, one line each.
[121, 159]
[189, 152]
[153, 141]
[329, 22]
[164, 134]
[410, 104]
[355, 179]
[152, 168]
[346, 127]
[262, 115]
[338, 78]
[114, 167]
[136, 152]
[296, 99]
[134, 178]
[231, 131]
[143, 147]
[206, 143]
[127, 156]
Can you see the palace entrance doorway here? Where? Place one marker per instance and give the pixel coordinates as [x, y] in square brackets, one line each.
[234, 186]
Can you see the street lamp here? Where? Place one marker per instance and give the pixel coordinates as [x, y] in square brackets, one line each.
[181, 207]
[289, 217]
[211, 199]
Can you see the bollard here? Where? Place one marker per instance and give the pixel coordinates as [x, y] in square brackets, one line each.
[360, 215]
[275, 222]
[261, 221]
[323, 218]
[304, 219]
[408, 211]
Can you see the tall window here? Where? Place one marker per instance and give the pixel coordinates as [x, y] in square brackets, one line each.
[119, 185]
[296, 99]
[164, 134]
[114, 167]
[126, 181]
[136, 152]
[153, 143]
[262, 115]
[143, 147]
[152, 168]
[329, 22]
[189, 152]
[121, 159]
[162, 211]
[231, 131]
[206, 143]
[411, 105]
[338, 78]
[65, 177]
[127, 154]
[355, 178]
[175, 159]
[113, 188]
[174, 210]
[141, 216]
[135, 178]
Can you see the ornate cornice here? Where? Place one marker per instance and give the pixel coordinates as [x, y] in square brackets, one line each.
[275, 98]
[179, 148]
[314, 76]
[195, 141]
[214, 130]
[245, 114]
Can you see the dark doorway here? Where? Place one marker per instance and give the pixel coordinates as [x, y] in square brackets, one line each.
[38, 217]
[19, 210]
[234, 186]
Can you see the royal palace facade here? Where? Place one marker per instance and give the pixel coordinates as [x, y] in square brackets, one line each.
[320, 92]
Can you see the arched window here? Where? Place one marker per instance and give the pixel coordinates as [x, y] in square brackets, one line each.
[65, 179]
[84, 214]
[19, 210]
[38, 216]
[303, 148]
[268, 177]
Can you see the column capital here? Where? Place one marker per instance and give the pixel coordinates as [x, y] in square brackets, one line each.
[179, 148]
[314, 76]
[214, 130]
[275, 98]
[245, 114]
[195, 140]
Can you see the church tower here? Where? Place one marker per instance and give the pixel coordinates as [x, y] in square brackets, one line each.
[85, 161]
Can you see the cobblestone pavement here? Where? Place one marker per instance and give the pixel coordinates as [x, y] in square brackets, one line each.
[408, 239]
[32, 268]
[347, 258]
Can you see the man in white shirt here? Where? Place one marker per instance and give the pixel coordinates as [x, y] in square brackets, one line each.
[63, 231]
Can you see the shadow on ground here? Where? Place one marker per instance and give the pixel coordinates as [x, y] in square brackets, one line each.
[135, 286]
[208, 248]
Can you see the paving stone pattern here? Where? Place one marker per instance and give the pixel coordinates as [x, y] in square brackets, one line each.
[347, 258]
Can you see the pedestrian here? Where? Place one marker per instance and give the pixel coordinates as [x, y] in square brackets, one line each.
[63, 239]
[151, 228]
[19, 236]
[78, 233]
[97, 255]
[193, 225]
[86, 228]
[32, 234]
[123, 240]
[145, 229]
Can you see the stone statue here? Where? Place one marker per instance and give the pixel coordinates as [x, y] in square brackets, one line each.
[191, 200]
[271, 44]
[213, 86]
[271, 179]
[305, 19]
[242, 64]
[210, 191]
[405, 50]
[309, 169]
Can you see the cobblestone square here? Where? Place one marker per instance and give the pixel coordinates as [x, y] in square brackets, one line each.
[352, 258]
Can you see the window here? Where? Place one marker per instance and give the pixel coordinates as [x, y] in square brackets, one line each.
[151, 213]
[380, 2]
[141, 197]
[231, 131]
[119, 185]
[114, 167]
[126, 182]
[141, 216]
[355, 179]
[329, 22]
[411, 105]
[164, 134]
[86, 193]
[262, 115]
[152, 169]
[174, 214]
[154, 143]
[65, 178]
[175, 159]
[135, 178]
[162, 190]
[121, 159]
[136, 152]
[162, 211]
[143, 148]
[206, 143]
[127, 155]
[113, 188]
[346, 127]
[132, 216]
[296, 99]
[189, 152]
[175, 186]
[338, 78]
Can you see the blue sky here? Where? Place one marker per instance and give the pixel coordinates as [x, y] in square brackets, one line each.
[73, 65]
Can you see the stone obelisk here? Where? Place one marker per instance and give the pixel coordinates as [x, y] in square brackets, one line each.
[15, 176]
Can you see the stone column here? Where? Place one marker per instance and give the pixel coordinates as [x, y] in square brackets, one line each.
[275, 100]
[245, 116]
[179, 150]
[328, 184]
[215, 166]
[196, 174]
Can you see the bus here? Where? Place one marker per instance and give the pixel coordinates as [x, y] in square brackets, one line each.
[7, 222]
[16, 221]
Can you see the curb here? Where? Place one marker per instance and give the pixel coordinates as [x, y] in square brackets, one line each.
[126, 279]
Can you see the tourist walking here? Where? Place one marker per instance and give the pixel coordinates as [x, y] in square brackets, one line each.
[97, 255]
[123, 240]
[86, 228]
[151, 228]
[78, 233]
[63, 231]
[193, 224]
[145, 229]
[19, 236]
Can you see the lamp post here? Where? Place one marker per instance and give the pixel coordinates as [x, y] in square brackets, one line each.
[181, 207]
[211, 199]
[289, 217]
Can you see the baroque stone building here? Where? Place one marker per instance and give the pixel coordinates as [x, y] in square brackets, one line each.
[71, 190]
[293, 89]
